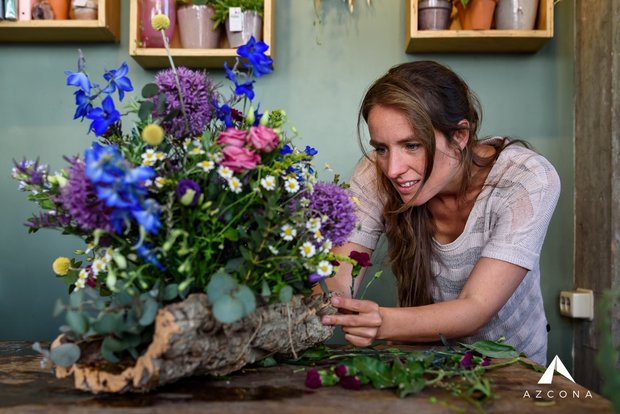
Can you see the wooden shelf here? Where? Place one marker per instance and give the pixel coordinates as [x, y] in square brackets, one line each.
[156, 58]
[481, 41]
[105, 29]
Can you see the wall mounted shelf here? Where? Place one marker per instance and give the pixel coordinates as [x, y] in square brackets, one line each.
[105, 29]
[156, 58]
[481, 41]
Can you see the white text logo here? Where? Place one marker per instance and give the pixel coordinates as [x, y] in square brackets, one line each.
[555, 365]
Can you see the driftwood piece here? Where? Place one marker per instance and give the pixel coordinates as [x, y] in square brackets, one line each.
[189, 341]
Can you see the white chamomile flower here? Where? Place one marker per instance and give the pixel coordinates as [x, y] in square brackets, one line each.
[187, 142]
[314, 224]
[160, 182]
[307, 250]
[225, 172]
[196, 150]
[83, 275]
[318, 236]
[148, 163]
[291, 185]
[206, 165]
[273, 250]
[288, 233]
[149, 155]
[268, 183]
[235, 185]
[89, 247]
[327, 246]
[98, 266]
[324, 268]
[160, 156]
[216, 156]
[79, 284]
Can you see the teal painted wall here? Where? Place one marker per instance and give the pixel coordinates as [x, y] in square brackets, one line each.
[320, 75]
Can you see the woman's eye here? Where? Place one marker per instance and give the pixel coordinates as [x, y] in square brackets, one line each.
[380, 150]
[412, 146]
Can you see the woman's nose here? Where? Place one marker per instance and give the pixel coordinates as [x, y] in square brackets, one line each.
[396, 165]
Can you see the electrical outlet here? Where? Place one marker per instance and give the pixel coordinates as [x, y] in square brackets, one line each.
[577, 303]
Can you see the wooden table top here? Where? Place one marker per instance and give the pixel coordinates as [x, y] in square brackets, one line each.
[26, 387]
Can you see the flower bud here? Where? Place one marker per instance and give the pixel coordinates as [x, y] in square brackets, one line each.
[264, 120]
[153, 134]
[61, 266]
[250, 117]
[160, 22]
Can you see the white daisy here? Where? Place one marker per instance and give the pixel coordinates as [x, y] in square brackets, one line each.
[327, 246]
[83, 275]
[324, 268]
[195, 151]
[288, 233]
[307, 250]
[318, 236]
[314, 224]
[225, 172]
[98, 266]
[268, 183]
[149, 156]
[235, 185]
[160, 182]
[206, 165]
[160, 156]
[79, 284]
[291, 185]
[273, 250]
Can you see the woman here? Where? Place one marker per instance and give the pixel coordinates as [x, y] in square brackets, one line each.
[465, 219]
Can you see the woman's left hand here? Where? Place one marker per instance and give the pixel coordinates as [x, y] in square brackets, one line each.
[360, 321]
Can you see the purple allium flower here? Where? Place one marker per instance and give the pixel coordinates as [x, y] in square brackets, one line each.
[198, 93]
[29, 172]
[80, 199]
[332, 201]
[182, 190]
[313, 378]
[351, 382]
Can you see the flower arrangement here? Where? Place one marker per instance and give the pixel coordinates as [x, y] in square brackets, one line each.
[204, 193]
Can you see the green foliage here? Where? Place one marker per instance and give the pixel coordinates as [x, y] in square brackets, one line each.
[459, 369]
[221, 8]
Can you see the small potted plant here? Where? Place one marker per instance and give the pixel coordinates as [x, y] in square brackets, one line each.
[475, 14]
[196, 26]
[240, 27]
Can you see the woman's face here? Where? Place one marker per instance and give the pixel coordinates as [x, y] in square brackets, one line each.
[402, 157]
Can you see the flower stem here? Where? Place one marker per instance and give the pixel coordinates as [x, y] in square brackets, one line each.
[176, 78]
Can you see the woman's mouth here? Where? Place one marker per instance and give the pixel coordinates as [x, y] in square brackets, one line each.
[406, 186]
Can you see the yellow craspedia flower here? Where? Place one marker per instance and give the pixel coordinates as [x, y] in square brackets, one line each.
[356, 201]
[153, 134]
[61, 266]
[160, 22]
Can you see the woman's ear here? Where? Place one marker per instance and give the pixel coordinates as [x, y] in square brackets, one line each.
[461, 136]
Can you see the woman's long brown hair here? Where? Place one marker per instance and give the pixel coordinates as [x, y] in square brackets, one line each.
[432, 97]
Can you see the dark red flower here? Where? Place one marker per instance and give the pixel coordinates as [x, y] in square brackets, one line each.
[362, 258]
[351, 382]
[313, 378]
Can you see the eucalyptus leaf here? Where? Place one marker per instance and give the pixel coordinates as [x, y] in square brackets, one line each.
[108, 322]
[233, 264]
[228, 309]
[149, 90]
[109, 356]
[65, 355]
[76, 298]
[220, 285]
[114, 345]
[59, 307]
[246, 296]
[265, 291]
[286, 294]
[77, 322]
[149, 311]
[171, 291]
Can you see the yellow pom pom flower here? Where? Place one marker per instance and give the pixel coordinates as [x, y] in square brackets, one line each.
[153, 134]
[160, 22]
[61, 266]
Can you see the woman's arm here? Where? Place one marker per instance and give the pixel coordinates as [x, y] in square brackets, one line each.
[489, 287]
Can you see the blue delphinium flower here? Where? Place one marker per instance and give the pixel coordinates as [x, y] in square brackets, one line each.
[122, 187]
[79, 79]
[117, 79]
[287, 149]
[145, 252]
[103, 117]
[254, 52]
[82, 103]
[245, 88]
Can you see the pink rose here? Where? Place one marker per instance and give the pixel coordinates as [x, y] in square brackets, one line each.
[239, 159]
[263, 138]
[232, 136]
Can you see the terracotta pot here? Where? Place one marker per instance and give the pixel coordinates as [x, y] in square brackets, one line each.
[61, 9]
[150, 8]
[252, 26]
[196, 27]
[516, 14]
[84, 9]
[478, 15]
[434, 14]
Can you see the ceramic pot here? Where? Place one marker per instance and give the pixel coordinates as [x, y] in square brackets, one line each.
[196, 27]
[150, 8]
[478, 15]
[61, 9]
[516, 14]
[84, 9]
[434, 14]
[252, 25]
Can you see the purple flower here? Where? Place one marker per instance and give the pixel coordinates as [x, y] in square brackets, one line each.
[466, 361]
[332, 201]
[486, 361]
[313, 378]
[198, 94]
[315, 277]
[341, 370]
[80, 199]
[188, 192]
[29, 173]
[351, 382]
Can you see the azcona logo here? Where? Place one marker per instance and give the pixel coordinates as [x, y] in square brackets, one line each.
[555, 365]
[547, 378]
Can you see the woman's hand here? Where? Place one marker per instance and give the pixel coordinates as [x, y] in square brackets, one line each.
[360, 319]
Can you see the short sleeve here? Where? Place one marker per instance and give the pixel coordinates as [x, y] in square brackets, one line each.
[526, 195]
[363, 186]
